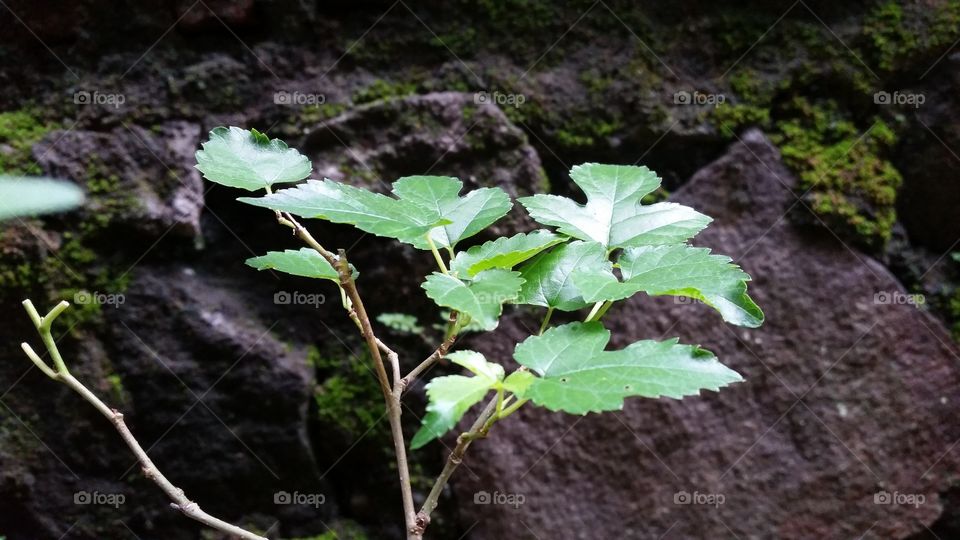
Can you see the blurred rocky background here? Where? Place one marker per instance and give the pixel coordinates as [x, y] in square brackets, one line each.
[822, 136]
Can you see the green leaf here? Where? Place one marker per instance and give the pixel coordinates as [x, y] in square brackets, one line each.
[452, 396]
[368, 211]
[401, 322]
[548, 278]
[304, 262]
[482, 298]
[249, 160]
[468, 215]
[677, 270]
[577, 375]
[503, 252]
[23, 196]
[613, 214]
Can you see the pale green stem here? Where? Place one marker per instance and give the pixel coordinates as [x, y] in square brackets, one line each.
[436, 255]
[546, 320]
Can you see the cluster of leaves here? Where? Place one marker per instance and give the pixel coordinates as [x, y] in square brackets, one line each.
[597, 253]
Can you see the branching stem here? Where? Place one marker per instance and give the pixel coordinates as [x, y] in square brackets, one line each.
[62, 374]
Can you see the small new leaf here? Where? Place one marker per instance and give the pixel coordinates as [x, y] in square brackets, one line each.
[467, 215]
[304, 262]
[481, 299]
[503, 252]
[402, 323]
[452, 396]
[613, 215]
[548, 278]
[250, 160]
[577, 375]
[677, 270]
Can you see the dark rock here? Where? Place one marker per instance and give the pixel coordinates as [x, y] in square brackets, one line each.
[440, 134]
[929, 203]
[147, 176]
[846, 397]
[198, 16]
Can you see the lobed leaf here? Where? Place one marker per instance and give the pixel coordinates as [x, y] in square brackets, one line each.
[677, 270]
[481, 299]
[613, 214]
[504, 252]
[340, 203]
[453, 395]
[577, 375]
[304, 262]
[21, 196]
[468, 215]
[548, 278]
[423, 205]
[250, 160]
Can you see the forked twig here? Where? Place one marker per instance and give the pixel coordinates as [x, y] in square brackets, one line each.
[60, 373]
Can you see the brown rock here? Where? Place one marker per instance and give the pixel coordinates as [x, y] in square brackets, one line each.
[845, 399]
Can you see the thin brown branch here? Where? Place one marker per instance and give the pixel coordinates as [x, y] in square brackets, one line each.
[439, 353]
[478, 430]
[62, 374]
[391, 398]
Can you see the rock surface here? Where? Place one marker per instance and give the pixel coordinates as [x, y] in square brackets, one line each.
[148, 174]
[846, 398]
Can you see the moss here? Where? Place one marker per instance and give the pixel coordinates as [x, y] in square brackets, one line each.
[19, 131]
[848, 182]
[894, 34]
[381, 89]
[733, 118]
[585, 131]
[348, 396]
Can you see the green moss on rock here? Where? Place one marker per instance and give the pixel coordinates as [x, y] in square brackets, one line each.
[848, 182]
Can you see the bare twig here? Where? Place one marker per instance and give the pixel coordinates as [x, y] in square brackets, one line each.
[61, 374]
[476, 431]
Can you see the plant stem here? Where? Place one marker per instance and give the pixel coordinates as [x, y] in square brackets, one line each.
[593, 312]
[390, 395]
[546, 320]
[62, 374]
[477, 430]
[436, 255]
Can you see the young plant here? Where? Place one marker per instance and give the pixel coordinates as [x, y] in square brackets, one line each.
[596, 254]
